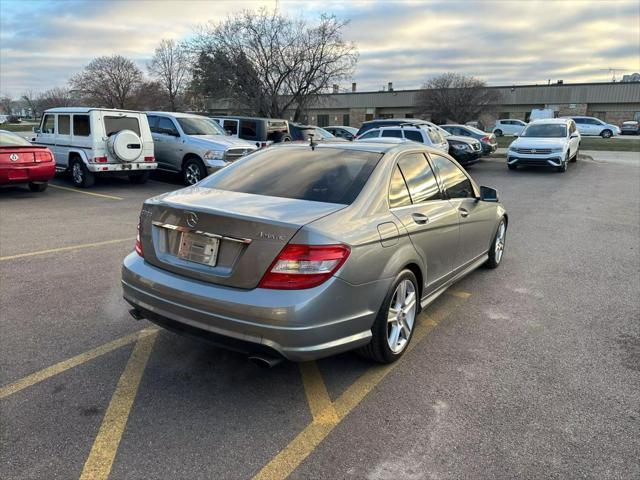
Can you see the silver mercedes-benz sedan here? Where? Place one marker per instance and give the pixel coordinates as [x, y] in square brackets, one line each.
[301, 252]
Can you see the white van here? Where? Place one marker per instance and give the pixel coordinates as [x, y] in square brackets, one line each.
[98, 141]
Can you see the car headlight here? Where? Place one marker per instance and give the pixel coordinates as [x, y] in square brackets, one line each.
[213, 155]
[556, 149]
[460, 146]
[512, 148]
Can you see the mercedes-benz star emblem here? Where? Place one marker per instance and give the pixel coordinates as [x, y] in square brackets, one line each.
[13, 157]
[192, 219]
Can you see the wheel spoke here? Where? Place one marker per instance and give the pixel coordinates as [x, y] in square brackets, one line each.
[392, 316]
[394, 336]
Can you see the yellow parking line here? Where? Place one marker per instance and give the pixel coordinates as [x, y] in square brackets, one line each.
[459, 294]
[111, 197]
[60, 367]
[66, 249]
[104, 449]
[319, 401]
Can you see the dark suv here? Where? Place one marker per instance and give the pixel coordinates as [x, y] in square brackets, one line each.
[261, 131]
[390, 122]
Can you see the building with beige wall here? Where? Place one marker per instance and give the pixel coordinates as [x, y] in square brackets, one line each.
[612, 102]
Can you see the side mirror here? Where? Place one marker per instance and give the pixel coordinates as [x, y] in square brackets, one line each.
[35, 129]
[488, 194]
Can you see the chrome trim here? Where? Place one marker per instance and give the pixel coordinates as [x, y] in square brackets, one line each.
[178, 228]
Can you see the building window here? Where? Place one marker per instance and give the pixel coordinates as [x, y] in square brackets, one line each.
[345, 119]
[323, 120]
[408, 115]
[386, 115]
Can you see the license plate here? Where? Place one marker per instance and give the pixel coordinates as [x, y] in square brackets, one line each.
[198, 248]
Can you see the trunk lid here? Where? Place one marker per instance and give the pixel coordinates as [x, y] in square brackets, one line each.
[222, 237]
[19, 155]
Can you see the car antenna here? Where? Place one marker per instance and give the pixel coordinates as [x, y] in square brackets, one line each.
[312, 144]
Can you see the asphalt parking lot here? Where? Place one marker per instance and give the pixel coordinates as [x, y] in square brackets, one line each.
[528, 371]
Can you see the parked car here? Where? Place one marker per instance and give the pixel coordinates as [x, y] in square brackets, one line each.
[465, 150]
[14, 119]
[260, 131]
[551, 142]
[429, 136]
[390, 122]
[97, 141]
[193, 145]
[4, 119]
[510, 126]
[631, 127]
[300, 132]
[301, 253]
[21, 162]
[487, 140]
[540, 113]
[477, 124]
[342, 131]
[595, 126]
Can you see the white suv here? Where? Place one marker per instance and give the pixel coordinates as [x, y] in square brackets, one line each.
[510, 126]
[550, 142]
[97, 141]
[423, 134]
[595, 126]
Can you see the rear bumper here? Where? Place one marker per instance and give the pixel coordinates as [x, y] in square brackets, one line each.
[121, 167]
[489, 148]
[42, 172]
[296, 324]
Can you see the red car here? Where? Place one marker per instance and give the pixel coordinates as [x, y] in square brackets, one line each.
[21, 162]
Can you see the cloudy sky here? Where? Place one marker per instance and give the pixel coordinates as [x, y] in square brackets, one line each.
[504, 42]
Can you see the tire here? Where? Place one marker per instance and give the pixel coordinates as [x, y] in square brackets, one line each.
[139, 178]
[512, 167]
[606, 133]
[498, 133]
[38, 187]
[80, 175]
[384, 328]
[193, 171]
[496, 251]
[563, 168]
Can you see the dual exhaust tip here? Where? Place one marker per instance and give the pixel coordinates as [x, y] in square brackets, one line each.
[262, 361]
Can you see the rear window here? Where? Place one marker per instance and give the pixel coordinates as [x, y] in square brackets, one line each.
[327, 175]
[115, 124]
[10, 139]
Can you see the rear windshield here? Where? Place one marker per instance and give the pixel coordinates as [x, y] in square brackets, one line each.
[115, 124]
[7, 138]
[328, 175]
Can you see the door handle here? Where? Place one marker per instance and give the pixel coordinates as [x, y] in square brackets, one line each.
[419, 218]
[463, 212]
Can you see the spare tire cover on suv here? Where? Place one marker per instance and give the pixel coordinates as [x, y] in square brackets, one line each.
[125, 145]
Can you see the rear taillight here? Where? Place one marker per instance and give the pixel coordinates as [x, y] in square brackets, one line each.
[138, 246]
[100, 159]
[149, 159]
[484, 139]
[43, 156]
[304, 266]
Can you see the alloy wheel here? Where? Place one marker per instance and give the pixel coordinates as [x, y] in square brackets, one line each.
[401, 316]
[500, 240]
[77, 173]
[192, 174]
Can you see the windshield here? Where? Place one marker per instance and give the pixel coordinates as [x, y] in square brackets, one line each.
[322, 133]
[200, 126]
[444, 132]
[330, 175]
[549, 130]
[7, 138]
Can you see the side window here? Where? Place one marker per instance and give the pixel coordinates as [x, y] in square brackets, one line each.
[419, 177]
[456, 183]
[153, 123]
[434, 136]
[48, 124]
[166, 127]
[64, 125]
[81, 126]
[465, 132]
[231, 126]
[392, 133]
[413, 135]
[371, 134]
[398, 192]
[248, 129]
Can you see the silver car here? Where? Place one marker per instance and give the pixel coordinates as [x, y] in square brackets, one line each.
[193, 145]
[303, 252]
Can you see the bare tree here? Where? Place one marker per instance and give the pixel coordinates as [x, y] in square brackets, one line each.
[6, 103]
[269, 63]
[170, 66]
[30, 98]
[110, 81]
[56, 97]
[455, 97]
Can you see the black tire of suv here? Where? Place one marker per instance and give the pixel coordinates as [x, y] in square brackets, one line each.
[563, 168]
[606, 133]
[139, 178]
[38, 187]
[512, 167]
[498, 133]
[378, 349]
[195, 162]
[87, 178]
